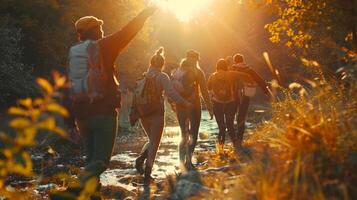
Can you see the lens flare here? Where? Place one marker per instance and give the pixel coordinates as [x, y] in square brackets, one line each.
[184, 10]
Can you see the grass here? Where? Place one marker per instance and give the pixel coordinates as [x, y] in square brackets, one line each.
[308, 150]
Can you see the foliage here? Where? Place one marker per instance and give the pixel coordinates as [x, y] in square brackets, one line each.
[30, 117]
[309, 146]
[15, 77]
[36, 36]
[306, 151]
[48, 26]
[322, 30]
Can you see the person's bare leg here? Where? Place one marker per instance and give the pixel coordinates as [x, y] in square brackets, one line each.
[243, 111]
[155, 135]
[139, 162]
[184, 126]
[195, 119]
[219, 116]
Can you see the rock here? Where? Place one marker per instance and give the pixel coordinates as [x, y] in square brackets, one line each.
[186, 189]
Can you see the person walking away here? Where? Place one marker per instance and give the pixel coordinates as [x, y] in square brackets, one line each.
[190, 81]
[222, 86]
[94, 88]
[243, 97]
[149, 102]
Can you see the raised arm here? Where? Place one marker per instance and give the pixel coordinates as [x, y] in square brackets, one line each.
[209, 83]
[113, 44]
[242, 76]
[259, 80]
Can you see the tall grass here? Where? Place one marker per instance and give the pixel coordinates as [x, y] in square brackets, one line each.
[308, 150]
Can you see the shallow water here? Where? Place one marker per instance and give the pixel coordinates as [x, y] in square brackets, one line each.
[167, 159]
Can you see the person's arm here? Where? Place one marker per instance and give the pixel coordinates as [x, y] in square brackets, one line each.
[209, 83]
[170, 91]
[201, 79]
[113, 44]
[259, 80]
[242, 76]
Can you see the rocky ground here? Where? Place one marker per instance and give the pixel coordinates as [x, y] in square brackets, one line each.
[121, 180]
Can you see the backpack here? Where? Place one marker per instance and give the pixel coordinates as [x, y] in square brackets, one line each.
[85, 72]
[223, 90]
[147, 97]
[185, 82]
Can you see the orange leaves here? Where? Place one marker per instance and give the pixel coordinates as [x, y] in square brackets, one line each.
[89, 188]
[60, 80]
[30, 116]
[17, 111]
[56, 108]
[45, 85]
[20, 123]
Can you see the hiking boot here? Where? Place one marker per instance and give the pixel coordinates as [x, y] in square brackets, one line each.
[139, 165]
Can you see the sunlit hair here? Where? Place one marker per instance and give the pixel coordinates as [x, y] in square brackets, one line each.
[187, 65]
[158, 60]
[222, 65]
[238, 58]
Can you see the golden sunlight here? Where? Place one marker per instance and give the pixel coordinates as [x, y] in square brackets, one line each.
[184, 10]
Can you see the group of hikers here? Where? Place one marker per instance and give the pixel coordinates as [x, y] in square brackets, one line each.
[225, 94]
[95, 97]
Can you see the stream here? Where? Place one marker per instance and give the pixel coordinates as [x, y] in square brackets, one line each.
[122, 172]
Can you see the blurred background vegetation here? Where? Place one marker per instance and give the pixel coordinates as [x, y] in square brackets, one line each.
[36, 36]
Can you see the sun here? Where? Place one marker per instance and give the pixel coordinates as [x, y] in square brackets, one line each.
[184, 10]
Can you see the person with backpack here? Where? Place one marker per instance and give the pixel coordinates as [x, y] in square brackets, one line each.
[94, 88]
[149, 103]
[222, 86]
[190, 81]
[245, 91]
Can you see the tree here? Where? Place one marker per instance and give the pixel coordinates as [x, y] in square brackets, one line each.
[320, 30]
[48, 26]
